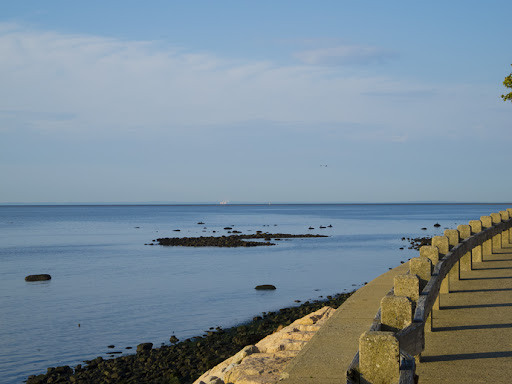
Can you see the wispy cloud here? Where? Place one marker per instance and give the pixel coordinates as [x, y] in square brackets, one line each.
[346, 55]
[107, 85]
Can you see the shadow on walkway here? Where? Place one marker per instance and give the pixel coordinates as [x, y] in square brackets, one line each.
[466, 356]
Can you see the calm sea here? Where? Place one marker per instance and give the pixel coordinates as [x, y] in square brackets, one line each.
[108, 288]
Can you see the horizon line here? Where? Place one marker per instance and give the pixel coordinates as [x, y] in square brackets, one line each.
[241, 203]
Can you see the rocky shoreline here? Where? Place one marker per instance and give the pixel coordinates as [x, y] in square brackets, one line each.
[183, 362]
[265, 362]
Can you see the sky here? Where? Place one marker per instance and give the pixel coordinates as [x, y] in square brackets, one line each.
[254, 101]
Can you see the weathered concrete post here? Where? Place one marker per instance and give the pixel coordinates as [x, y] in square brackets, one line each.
[453, 239]
[379, 358]
[505, 237]
[395, 312]
[476, 253]
[465, 261]
[509, 210]
[421, 267]
[430, 252]
[487, 245]
[442, 243]
[496, 240]
[409, 286]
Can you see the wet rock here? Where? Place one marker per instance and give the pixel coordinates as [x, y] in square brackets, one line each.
[42, 277]
[264, 287]
[437, 225]
[418, 242]
[144, 347]
[174, 339]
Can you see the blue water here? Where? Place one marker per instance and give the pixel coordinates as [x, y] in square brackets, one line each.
[123, 292]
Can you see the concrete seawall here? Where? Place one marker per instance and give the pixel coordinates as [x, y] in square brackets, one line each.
[326, 357]
[354, 347]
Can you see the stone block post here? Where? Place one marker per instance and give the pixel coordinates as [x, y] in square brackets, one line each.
[430, 252]
[465, 261]
[476, 253]
[505, 236]
[421, 267]
[509, 210]
[379, 358]
[496, 240]
[407, 285]
[487, 245]
[395, 312]
[453, 239]
[442, 243]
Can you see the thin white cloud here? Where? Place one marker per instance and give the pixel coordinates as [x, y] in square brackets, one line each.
[345, 55]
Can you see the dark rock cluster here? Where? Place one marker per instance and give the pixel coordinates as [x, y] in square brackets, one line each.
[182, 362]
[417, 242]
[229, 241]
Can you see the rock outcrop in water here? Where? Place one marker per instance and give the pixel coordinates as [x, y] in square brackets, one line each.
[265, 287]
[42, 277]
[229, 241]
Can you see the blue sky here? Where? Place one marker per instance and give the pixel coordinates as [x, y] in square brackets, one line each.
[247, 101]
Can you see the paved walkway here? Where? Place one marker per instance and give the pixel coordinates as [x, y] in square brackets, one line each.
[326, 357]
[472, 338]
[471, 342]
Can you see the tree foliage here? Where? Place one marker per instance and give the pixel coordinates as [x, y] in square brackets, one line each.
[507, 83]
